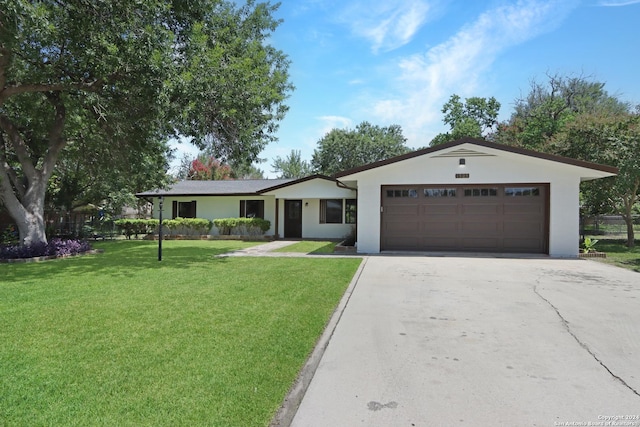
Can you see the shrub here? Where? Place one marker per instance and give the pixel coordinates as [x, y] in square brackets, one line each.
[135, 227]
[242, 226]
[187, 226]
[55, 247]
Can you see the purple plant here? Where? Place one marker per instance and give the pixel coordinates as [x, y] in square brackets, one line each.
[55, 247]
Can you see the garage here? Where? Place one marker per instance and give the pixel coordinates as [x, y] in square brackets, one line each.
[475, 218]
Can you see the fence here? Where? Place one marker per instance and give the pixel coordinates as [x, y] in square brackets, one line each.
[609, 226]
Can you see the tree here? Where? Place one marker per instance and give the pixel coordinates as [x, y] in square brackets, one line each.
[548, 108]
[612, 140]
[292, 166]
[124, 77]
[205, 168]
[343, 149]
[474, 118]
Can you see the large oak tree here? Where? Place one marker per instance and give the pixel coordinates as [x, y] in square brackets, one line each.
[120, 77]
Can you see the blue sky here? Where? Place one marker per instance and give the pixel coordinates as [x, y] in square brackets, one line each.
[398, 61]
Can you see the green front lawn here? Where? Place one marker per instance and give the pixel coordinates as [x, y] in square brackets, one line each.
[310, 247]
[618, 254]
[122, 339]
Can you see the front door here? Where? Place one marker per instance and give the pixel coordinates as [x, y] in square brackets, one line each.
[293, 218]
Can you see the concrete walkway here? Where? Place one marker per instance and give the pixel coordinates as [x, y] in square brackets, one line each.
[266, 250]
[444, 341]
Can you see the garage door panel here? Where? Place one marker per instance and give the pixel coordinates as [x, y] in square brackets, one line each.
[481, 209]
[523, 209]
[411, 210]
[441, 209]
[409, 226]
[490, 217]
[438, 244]
[402, 244]
[489, 226]
[440, 228]
[523, 228]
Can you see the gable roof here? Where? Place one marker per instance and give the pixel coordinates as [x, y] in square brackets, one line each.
[482, 143]
[237, 187]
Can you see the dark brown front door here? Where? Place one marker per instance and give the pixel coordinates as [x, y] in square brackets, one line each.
[293, 218]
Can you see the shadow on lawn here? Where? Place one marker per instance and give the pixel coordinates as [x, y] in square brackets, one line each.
[120, 259]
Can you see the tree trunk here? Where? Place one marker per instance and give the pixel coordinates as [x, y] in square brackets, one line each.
[630, 233]
[23, 194]
[28, 214]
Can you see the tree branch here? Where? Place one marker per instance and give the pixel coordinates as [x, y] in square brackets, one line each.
[56, 140]
[9, 91]
[19, 147]
[10, 172]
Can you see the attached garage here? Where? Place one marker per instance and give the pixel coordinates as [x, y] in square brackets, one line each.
[476, 218]
[471, 195]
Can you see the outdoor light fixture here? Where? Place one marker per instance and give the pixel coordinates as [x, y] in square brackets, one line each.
[462, 162]
[306, 203]
[160, 200]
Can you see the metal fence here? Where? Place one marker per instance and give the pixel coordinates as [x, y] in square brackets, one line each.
[610, 226]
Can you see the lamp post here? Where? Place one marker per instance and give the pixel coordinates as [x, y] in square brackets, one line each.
[160, 200]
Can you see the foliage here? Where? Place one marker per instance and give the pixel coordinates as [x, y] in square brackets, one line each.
[55, 247]
[136, 226]
[205, 168]
[474, 118]
[242, 226]
[109, 83]
[192, 340]
[343, 149]
[612, 140]
[171, 227]
[548, 108]
[292, 166]
[187, 226]
[9, 236]
[589, 244]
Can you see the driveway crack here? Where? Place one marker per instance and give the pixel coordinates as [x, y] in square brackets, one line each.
[582, 344]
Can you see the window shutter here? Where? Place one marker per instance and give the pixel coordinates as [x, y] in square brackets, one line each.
[174, 209]
[193, 209]
[243, 209]
[261, 209]
[323, 211]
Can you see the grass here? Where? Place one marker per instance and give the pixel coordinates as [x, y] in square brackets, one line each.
[122, 339]
[619, 254]
[310, 247]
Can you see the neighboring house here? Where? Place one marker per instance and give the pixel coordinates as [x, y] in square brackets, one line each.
[467, 195]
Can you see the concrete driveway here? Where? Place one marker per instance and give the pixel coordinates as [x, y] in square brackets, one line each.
[482, 341]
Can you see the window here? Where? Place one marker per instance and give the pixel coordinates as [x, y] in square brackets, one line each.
[413, 193]
[330, 211]
[350, 210]
[480, 192]
[521, 191]
[184, 209]
[252, 209]
[439, 192]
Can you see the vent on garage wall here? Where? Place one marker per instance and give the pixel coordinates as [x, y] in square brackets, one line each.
[461, 152]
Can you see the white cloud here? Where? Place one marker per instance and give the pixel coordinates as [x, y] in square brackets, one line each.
[616, 3]
[332, 122]
[387, 25]
[426, 80]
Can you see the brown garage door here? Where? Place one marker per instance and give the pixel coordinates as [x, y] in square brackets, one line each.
[484, 218]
